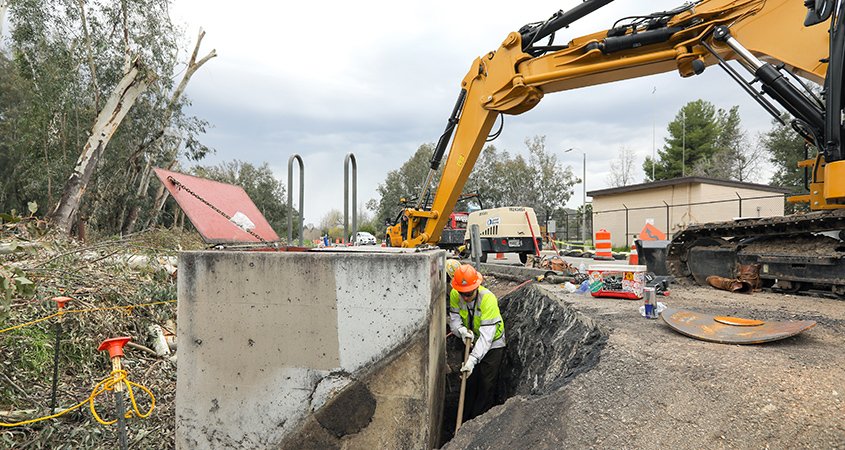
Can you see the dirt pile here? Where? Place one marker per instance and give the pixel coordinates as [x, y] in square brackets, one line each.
[655, 388]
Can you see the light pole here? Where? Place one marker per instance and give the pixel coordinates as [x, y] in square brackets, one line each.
[584, 195]
[684, 144]
[653, 139]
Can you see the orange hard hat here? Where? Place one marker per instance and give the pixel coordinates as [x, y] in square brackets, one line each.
[466, 279]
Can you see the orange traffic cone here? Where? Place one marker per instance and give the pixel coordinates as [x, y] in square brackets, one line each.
[633, 259]
[500, 256]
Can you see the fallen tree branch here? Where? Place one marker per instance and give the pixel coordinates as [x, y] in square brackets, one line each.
[142, 348]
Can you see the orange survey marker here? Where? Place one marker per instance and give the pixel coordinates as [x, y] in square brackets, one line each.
[651, 233]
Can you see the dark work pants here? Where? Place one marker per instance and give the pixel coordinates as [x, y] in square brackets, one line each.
[481, 385]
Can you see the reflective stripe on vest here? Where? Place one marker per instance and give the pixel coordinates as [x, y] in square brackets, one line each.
[456, 304]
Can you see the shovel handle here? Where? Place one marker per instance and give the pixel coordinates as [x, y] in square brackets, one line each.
[468, 345]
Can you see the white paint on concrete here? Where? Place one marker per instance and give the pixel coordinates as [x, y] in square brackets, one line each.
[378, 306]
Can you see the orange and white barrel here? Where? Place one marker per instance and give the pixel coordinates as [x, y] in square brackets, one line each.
[603, 245]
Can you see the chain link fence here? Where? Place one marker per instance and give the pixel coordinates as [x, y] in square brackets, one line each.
[626, 223]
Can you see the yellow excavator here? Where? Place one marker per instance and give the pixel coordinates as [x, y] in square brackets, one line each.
[779, 43]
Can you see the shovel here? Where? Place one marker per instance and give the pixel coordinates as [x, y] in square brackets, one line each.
[468, 344]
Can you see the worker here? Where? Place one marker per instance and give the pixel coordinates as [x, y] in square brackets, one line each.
[474, 314]
[451, 266]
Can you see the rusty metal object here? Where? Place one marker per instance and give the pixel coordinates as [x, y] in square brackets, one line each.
[790, 231]
[222, 213]
[729, 284]
[738, 321]
[706, 328]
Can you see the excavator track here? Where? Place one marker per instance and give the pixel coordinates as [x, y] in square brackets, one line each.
[792, 254]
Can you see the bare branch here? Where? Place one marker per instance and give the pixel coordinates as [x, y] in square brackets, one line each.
[193, 66]
[622, 169]
[90, 53]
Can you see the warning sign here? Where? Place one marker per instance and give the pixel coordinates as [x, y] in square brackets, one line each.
[651, 233]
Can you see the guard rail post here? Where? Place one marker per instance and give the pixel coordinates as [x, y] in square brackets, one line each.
[350, 158]
[301, 198]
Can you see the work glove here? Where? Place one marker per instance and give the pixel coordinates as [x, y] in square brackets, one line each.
[465, 333]
[469, 365]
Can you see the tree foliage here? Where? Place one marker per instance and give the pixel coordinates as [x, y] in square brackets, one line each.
[550, 187]
[540, 181]
[735, 158]
[785, 148]
[692, 138]
[404, 182]
[66, 57]
[707, 142]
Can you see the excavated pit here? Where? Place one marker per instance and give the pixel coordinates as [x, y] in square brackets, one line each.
[548, 344]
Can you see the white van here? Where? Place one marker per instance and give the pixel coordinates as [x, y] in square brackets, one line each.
[506, 230]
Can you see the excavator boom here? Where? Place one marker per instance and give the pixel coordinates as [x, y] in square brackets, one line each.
[768, 38]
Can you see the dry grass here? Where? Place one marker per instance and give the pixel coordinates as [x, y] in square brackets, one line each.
[91, 275]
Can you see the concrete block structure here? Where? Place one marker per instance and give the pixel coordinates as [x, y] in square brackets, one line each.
[339, 349]
[671, 205]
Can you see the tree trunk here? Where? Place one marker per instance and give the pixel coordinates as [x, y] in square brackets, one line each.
[4, 5]
[133, 83]
[90, 53]
[193, 66]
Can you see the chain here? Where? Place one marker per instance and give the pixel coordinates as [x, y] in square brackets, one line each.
[216, 209]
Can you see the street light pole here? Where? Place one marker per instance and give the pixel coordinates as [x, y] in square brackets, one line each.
[584, 195]
[584, 200]
[684, 145]
[653, 137]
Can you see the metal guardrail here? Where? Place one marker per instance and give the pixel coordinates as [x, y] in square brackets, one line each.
[301, 198]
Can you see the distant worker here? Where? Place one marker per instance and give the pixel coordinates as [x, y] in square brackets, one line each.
[451, 266]
[474, 314]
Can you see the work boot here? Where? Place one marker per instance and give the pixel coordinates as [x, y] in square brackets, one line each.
[729, 284]
[751, 274]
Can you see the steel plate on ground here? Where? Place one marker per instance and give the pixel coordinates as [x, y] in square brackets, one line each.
[705, 327]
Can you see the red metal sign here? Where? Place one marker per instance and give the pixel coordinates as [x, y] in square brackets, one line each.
[231, 200]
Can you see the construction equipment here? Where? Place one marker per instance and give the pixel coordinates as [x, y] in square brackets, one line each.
[453, 233]
[506, 230]
[775, 40]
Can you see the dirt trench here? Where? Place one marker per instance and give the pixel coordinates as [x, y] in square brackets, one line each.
[548, 344]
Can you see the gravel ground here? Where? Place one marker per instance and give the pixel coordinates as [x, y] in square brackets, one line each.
[654, 388]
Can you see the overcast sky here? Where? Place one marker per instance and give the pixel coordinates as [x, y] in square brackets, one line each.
[380, 78]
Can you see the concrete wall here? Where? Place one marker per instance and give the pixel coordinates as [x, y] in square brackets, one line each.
[268, 339]
[681, 216]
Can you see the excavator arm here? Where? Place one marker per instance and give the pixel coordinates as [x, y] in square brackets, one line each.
[768, 38]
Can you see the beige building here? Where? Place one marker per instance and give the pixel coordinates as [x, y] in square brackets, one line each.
[671, 205]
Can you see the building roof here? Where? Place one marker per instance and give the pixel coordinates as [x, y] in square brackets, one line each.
[687, 180]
